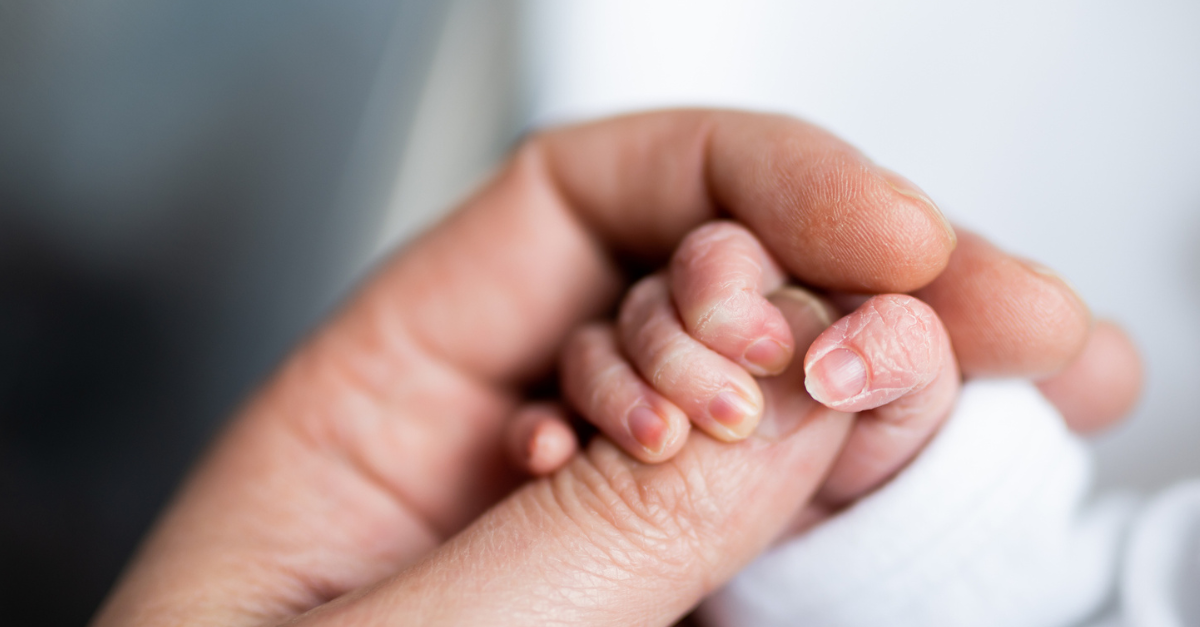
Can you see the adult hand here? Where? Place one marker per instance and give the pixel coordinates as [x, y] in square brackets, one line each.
[346, 489]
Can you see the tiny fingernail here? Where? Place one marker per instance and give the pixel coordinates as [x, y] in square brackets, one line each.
[837, 377]
[770, 356]
[733, 410]
[905, 188]
[648, 428]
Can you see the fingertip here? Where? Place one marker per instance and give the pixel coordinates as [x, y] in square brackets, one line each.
[717, 394]
[767, 356]
[736, 413]
[1007, 317]
[830, 216]
[603, 386]
[915, 386]
[889, 347]
[659, 430]
[539, 439]
[937, 219]
[552, 445]
[1076, 321]
[1102, 385]
[668, 439]
[836, 378]
[718, 276]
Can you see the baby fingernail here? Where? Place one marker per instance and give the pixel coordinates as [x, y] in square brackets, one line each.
[733, 410]
[768, 355]
[648, 428]
[837, 377]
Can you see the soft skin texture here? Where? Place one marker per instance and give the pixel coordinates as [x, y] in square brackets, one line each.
[1102, 385]
[894, 356]
[719, 278]
[682, 345]
[356, 472]
[539, 439]
[910, 380]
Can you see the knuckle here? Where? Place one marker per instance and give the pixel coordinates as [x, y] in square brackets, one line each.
[641, 301]
[663, 351]
[731, 319]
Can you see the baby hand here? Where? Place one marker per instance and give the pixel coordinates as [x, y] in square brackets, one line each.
[689, 342]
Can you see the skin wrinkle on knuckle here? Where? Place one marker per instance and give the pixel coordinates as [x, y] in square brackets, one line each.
[665, 359]
[725, 316]
[664, 347]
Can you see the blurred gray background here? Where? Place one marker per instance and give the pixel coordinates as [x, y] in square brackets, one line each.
[185, 188]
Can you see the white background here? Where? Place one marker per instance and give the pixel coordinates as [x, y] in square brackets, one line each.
[1066, 131]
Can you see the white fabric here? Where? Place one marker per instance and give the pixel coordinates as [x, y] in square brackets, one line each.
[1160, 584]
[988, 527]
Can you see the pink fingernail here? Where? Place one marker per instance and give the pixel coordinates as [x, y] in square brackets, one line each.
[732, 409]
[837, 377]
[648, 428]
[768, 355]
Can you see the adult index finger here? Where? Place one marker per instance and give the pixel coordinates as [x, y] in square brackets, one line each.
[536, 249]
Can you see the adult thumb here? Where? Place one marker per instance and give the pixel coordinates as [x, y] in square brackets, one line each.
[610, 541]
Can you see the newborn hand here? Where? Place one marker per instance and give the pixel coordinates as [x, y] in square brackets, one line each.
[689, 341]
[363, 484]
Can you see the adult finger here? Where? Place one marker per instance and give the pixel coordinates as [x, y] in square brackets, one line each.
[387, 425]
[538, 251]
[891, 360]
[1009, 316]
[719, 277]
[573, 201]
[1102, 385]
[718, 395]
[609, 541]
[1006, 316]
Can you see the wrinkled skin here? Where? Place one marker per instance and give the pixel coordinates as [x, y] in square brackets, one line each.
[366, 483]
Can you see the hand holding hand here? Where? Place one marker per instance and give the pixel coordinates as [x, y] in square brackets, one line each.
[350, 489]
